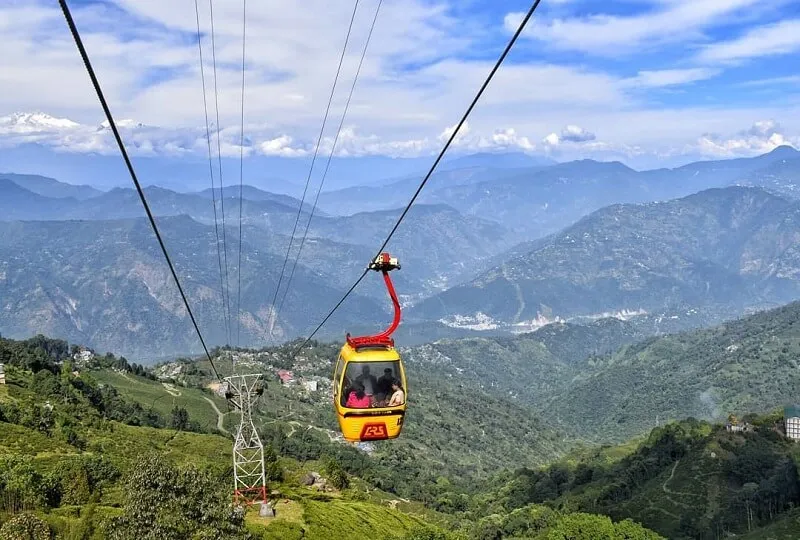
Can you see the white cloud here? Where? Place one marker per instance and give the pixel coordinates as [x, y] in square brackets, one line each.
[576, 134]
[669, 77]
[775, 39]
[763, 136]
[570, 134]
[445, 135]
[773, 81]
[422, 70]
[281, 146]
[617, 34]
[552, 139]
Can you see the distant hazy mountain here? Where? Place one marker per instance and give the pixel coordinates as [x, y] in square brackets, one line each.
[190, 173]
[538, 200]
[437, 244]
[398, 191]
[49, 187]
[17, 202]
[251, 193]
[496, 160]
[732, 248]
[781, 177]
[106, 284]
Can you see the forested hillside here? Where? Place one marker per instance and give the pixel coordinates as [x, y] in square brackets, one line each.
[745, 365]
[686, 480]
[606, 382]
[83, 460]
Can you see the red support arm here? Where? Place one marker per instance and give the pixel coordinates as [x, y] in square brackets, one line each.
[384, 263]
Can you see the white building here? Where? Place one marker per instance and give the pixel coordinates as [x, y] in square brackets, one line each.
[791, 416]
[2, 374]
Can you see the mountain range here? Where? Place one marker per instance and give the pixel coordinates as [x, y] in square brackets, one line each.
[472, 263]
[106, 283]
[728, 249]
[536, 201]
[432, 233]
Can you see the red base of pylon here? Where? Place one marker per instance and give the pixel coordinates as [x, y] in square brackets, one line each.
[251, 495]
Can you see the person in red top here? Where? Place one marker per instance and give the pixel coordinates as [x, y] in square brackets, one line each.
[358, 399]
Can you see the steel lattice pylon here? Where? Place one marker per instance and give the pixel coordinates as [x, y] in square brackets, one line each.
[248, 451]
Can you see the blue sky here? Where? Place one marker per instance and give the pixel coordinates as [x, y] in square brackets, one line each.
[649, 82]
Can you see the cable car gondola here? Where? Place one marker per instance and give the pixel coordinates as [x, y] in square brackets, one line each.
[367, 374]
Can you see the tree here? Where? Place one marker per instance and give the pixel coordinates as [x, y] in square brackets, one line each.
[272, 468]
[630, 530]
[163, 502]
[25, 527]
[21, 483]
[180, 418]
[336, 474]
[583, 474]
[581, 526]
[559, 474]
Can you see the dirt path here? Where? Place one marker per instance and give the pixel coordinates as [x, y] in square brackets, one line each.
[220, 416]
[171, 390]
[664, 487]
[672, 492]
[331, 435]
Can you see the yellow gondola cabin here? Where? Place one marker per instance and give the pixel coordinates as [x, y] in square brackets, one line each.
[369, 381]
[376, 421]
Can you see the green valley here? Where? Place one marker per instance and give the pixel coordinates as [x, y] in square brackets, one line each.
[689, 479]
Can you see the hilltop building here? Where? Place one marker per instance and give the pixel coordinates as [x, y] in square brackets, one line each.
[791, 417]
[82, 357]
[735, 426]
[2, 374]
[286, 377]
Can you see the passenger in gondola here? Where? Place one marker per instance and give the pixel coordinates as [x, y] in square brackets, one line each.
[384, 386]
[368, 381]
[358, 399]
[398, 396]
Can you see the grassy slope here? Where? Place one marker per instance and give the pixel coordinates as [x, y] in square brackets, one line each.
[162, 399]
[318, 515]
[302, 512]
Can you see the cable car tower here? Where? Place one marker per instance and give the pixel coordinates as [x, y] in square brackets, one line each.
[250, 485]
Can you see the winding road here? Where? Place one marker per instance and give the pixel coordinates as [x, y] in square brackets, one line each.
[220, 416]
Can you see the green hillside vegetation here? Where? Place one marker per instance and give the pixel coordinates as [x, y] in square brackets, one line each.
[162, 398]
[605, 382]
[455, 429]
[535, 366]
[748, 364]
[81, 460]
[77, 461]
[686, 480]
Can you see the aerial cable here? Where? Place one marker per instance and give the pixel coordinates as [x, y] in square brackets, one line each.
[241, 177]
[219, 160]
[313, 159]
[210, 163]
[433, 167]
[330, 156]
[74, 30]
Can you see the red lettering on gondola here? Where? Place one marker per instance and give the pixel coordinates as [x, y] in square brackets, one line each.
[374, 432]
